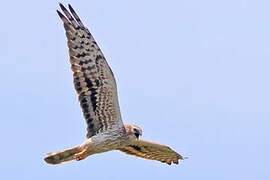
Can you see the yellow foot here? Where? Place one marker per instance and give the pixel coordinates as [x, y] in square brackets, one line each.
[80, 156]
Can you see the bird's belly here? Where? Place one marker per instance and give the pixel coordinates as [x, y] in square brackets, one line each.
[103, 142]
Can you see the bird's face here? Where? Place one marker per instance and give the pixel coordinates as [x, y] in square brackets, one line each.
[133, 131]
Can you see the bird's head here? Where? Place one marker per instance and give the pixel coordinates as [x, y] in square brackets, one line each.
[133, 131]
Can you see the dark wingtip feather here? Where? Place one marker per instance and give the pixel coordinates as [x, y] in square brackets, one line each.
[75, 16]
[72, 10]
[69, 16]
[64, 19]
[62, 7]
[70, 7]
[60, 14]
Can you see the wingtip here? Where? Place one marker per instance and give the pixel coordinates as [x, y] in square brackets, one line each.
[176, 161]
[60, 14]
[70, 7]
[62, 7]
[62, 17]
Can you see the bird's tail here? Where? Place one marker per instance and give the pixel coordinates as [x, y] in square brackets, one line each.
[62, 156]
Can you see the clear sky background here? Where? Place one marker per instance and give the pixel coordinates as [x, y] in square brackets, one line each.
[193, 74]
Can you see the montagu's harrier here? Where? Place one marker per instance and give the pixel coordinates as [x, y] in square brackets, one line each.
[96, 87]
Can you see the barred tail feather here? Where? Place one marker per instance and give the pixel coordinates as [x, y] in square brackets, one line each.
[62, 156]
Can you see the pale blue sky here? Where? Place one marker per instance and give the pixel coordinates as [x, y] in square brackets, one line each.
[193, 74]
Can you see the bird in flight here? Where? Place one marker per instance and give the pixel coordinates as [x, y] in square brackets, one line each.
[97, 92]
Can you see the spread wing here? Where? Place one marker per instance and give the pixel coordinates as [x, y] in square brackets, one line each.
[93, 79]
[153, 151]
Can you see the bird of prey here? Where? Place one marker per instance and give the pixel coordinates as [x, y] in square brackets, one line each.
[97, 92]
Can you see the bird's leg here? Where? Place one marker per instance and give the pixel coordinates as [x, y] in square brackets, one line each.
[82, 155]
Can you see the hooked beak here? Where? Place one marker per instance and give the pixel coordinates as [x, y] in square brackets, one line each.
[137, 135]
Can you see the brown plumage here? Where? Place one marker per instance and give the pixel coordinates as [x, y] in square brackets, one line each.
[97, 92]
[152, 151]
[62, 156]
[93, 79]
